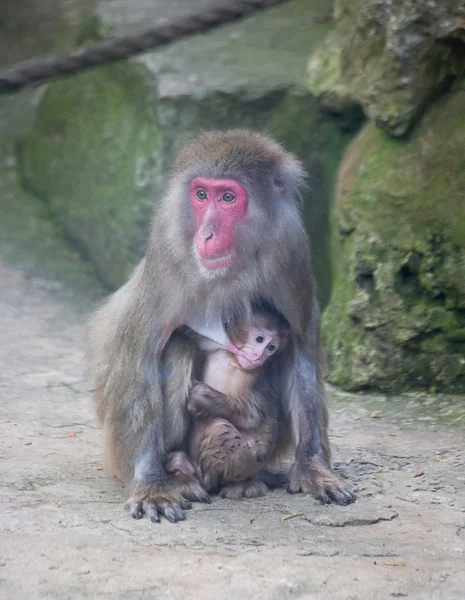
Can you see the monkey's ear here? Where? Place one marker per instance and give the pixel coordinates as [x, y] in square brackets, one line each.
[278, 186]
[226, 325]
[289, 178]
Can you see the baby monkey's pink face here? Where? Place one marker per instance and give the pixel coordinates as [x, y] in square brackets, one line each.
[261, 343]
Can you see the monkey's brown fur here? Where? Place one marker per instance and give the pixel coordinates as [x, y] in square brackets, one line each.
[234, 430]
[130, 332]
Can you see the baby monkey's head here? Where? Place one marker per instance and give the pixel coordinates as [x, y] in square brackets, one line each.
[264, 336]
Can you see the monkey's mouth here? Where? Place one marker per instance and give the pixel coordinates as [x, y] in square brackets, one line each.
[247, 364]
[217, 262]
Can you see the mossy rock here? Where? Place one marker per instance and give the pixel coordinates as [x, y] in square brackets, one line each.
[325, 81]
[94, 157]
[396, 319]
[393, 58]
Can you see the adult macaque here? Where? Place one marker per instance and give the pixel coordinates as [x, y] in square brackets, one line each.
[228, 233]
[235, 410]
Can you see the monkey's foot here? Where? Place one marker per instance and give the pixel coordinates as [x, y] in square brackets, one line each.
[169, 499]
[317, 478]
[191, 489]
[244, 489]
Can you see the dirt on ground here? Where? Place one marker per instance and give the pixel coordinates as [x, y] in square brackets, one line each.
[65, 534]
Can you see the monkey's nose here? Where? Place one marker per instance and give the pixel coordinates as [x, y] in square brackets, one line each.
[206, 235]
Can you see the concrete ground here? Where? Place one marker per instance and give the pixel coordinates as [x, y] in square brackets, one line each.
[64, 533]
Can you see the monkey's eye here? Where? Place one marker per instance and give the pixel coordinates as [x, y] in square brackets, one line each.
[271, 348]
[228, 198]
[259, 339]
[202, 195]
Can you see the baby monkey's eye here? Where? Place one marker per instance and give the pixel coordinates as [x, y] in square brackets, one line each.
[202, 195]
[271, 348]
[259, 339]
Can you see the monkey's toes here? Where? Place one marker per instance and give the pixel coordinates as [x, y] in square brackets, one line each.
[155, 501]
[152, 512]
[340, 496]
[135, 509]
[173, 513]
[191, 489]
[320, 481]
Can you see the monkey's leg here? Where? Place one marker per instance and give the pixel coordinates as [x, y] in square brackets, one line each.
[225, 455]
[152, 490]
[179, 360]
[311, 471]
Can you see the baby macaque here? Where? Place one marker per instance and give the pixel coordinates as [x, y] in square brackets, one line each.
[235, 409]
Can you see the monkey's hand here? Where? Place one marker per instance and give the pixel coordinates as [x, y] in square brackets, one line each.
[316, 478]
[169, 499]
[203, 400]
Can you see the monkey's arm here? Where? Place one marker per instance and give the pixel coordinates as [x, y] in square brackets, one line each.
[205, 402]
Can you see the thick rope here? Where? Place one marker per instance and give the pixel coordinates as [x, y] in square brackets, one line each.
[124, 47]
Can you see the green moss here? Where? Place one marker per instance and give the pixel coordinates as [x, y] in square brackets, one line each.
[396, 319]
[321, 152]
[391, 63]
[325, 81]
[93, 156]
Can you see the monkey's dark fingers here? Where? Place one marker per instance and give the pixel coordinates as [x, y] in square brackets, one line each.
[191, 489]
[342, 497]
[353, 495]
[324, 498]
[320, 481]
[135, 509]
[197, 494]
[155, 501]
[173, 512]
[152, 512]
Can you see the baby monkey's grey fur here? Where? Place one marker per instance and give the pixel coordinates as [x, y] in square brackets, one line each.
[131, 335]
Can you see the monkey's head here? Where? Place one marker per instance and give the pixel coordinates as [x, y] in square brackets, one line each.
[265, 336]
[238, 189]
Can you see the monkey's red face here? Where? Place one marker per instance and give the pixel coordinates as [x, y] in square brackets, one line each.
[217, 205]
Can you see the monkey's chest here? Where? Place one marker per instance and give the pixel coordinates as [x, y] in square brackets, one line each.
[221, 374]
